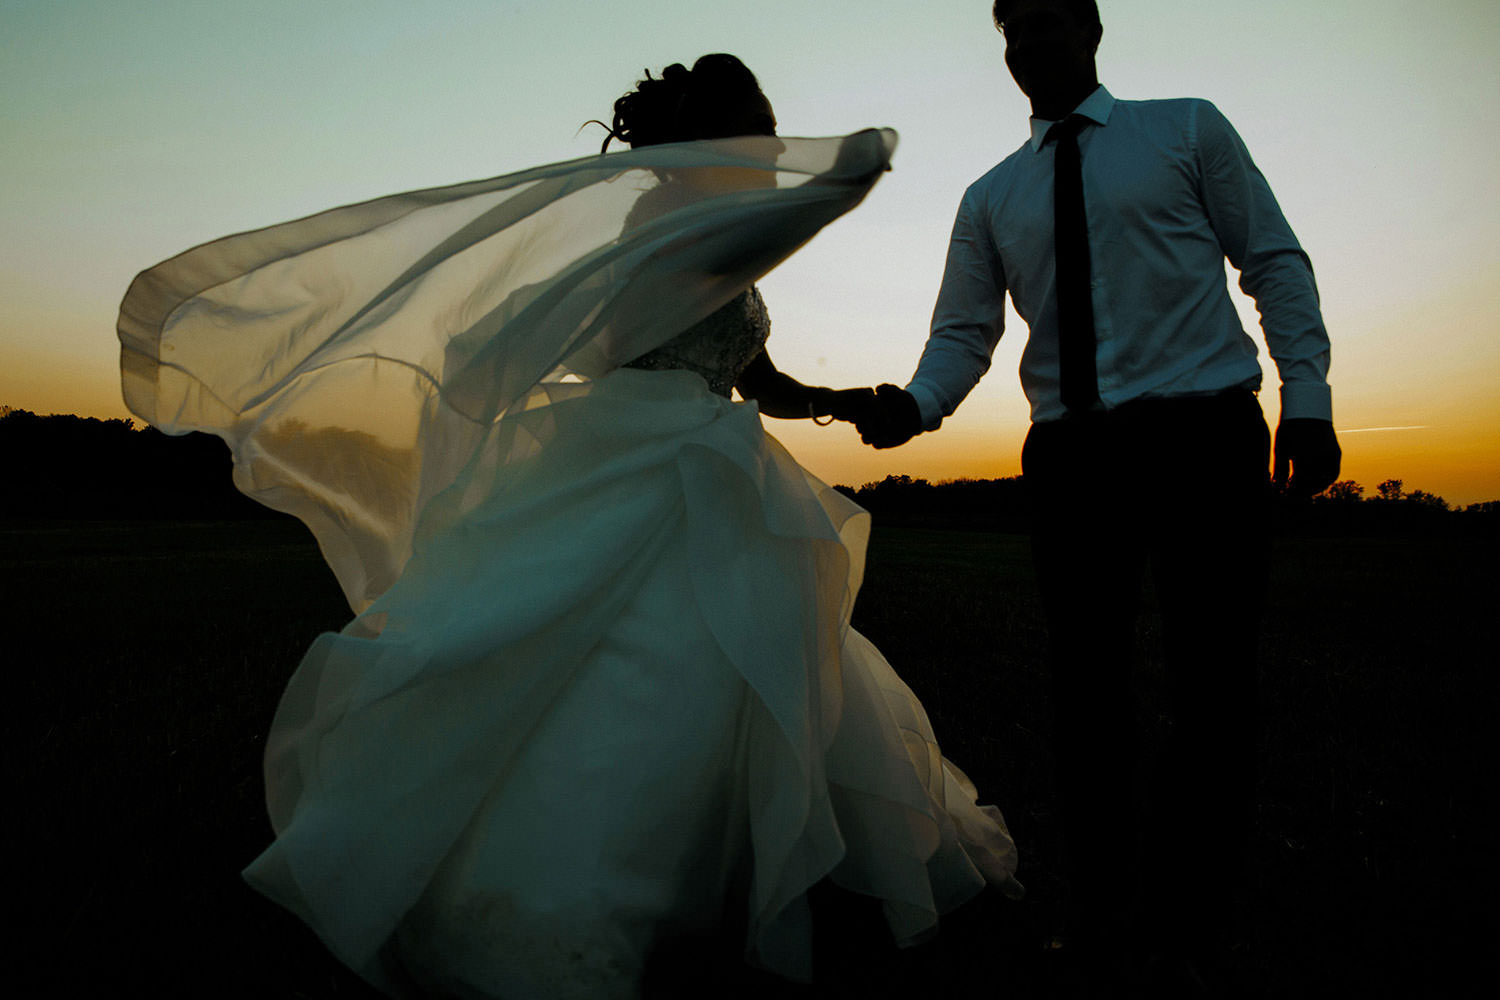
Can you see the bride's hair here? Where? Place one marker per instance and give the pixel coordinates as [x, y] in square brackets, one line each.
[682, 104]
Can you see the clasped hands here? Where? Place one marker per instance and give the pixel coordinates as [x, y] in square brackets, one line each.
[886, 416]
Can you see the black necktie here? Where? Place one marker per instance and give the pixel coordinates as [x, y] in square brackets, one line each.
[1075, 304]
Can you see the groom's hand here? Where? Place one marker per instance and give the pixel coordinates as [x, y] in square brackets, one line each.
[893, 420]
[1307, 456]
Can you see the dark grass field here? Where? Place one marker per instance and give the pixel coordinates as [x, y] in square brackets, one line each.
[149, 657]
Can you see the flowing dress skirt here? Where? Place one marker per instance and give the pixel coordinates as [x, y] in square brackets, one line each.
[613, 699]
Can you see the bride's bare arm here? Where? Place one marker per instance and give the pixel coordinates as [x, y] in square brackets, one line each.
[780, 395]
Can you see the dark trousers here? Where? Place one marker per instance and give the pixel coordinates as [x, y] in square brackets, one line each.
[1179, 486]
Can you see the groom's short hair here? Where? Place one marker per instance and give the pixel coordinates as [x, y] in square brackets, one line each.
[1087, 12]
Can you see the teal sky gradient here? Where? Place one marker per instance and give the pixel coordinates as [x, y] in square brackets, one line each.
[131, 131]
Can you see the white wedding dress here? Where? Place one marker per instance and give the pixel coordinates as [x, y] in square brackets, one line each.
[601, 691]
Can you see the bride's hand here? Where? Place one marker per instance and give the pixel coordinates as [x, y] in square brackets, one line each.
[862, 156]
[846, 404]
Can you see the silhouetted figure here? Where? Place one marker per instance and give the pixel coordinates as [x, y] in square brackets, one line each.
[1109, 229]
[600, 696]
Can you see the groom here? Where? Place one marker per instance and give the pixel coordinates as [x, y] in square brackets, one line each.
[1109, 229]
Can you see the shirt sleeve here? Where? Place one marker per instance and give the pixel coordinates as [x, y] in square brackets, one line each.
[1274, 270]
[966, 322]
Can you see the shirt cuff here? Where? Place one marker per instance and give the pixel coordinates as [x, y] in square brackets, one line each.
[927, 405]
[1306, 399]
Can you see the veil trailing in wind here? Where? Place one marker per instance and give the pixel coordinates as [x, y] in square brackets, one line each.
[356, 360]
[602, 690]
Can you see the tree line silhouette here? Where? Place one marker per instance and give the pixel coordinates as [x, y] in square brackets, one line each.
[64, 466]
[1343, 509]
[69, 467]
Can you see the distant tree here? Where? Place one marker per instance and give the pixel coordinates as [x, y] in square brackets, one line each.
[1345, 491]
[1425, 500]
[1390, 489]
[66, 466]
[991, 504]
[1480, 518]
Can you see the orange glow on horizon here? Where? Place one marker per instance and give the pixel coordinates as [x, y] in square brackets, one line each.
[1453, 452]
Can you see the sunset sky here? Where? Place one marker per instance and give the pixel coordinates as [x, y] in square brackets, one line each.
[131, 131]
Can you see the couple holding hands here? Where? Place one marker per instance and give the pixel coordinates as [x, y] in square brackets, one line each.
[600, 693]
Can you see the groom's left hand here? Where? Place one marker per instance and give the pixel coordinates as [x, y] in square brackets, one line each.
[1307, 456]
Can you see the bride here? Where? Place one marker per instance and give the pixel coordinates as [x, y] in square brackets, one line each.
[601, 692]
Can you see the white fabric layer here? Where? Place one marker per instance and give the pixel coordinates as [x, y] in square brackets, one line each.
[602, 682]
[355, 359]
[612, 693]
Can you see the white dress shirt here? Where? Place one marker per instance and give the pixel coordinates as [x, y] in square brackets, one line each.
[1170, 191]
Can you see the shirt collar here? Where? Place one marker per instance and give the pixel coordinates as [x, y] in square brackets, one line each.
[1095, 107]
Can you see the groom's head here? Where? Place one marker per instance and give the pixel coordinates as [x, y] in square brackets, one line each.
[1050, 45]
[1087, 11]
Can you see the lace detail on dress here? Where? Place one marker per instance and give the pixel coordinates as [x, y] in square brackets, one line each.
[717, 347]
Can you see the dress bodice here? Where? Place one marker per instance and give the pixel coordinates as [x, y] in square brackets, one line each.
[719, 346]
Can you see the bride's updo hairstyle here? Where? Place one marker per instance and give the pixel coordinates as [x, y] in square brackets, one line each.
[683, 104]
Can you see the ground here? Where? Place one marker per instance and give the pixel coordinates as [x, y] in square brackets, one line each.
[150, 655]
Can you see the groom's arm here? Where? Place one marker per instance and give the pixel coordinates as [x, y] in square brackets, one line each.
[1277, 274]
[966, 325]
[968, 319]
[1274, 269]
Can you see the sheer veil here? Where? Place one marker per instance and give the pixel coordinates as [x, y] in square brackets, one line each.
[358, 360]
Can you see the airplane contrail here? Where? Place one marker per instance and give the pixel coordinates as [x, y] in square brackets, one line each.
[1367, 430]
